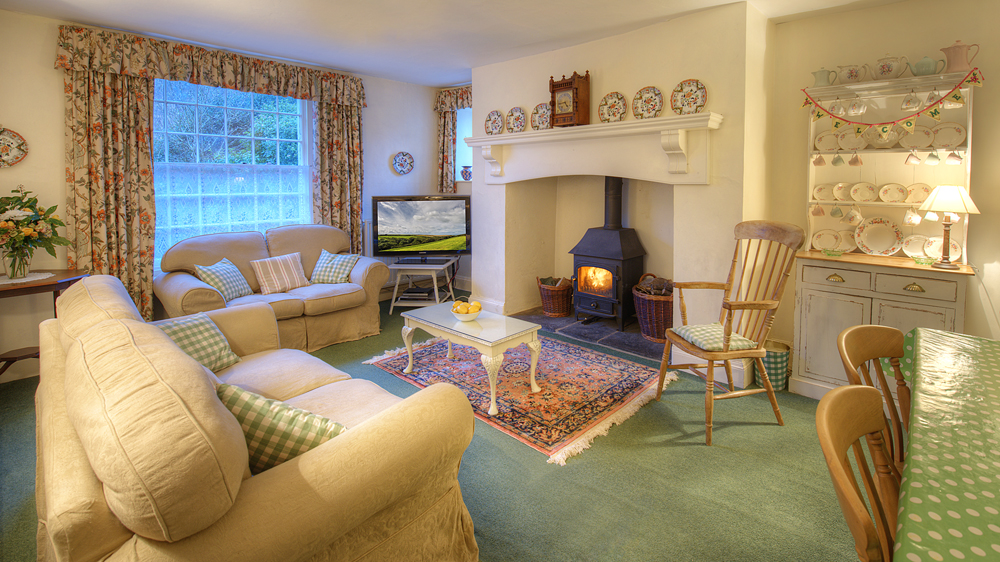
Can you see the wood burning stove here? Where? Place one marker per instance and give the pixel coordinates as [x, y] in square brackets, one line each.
[607, 263]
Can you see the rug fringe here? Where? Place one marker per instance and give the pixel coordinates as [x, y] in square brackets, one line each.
[402, 350]
[583, 442]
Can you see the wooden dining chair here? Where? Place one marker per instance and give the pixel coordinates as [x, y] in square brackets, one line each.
[761, 264]
[843, 417]
[862, 350]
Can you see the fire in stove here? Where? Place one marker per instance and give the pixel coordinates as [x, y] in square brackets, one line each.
[596, 281]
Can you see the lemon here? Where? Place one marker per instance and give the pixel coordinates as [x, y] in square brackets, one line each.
[475, 307]
[463, 308]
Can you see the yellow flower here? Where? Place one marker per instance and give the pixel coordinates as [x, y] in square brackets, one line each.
[27, 231]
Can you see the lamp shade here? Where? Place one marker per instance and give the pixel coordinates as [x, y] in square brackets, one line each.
[951, 199]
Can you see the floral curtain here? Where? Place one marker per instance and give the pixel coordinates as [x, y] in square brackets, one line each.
[109, 86]
[446, 104]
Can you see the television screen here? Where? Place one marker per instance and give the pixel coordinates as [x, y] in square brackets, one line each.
[421, 225]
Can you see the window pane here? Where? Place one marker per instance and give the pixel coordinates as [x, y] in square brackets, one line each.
[268, 180]
[180, 91]
[238, 99]
[238, 122]
[211, 150]
[215, 210]
[208, 95]
[265, 151]
[288, 127]
[265, 125]
[239, 151]
[288, 105]
[159, 148]
[289, 153]
[265, 102]
[181, 148]
[159, 122]
[241, 179]
[214, 179]
[211, 121]
[181, 118]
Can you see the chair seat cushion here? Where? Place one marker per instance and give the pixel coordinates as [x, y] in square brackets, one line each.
[709, 337]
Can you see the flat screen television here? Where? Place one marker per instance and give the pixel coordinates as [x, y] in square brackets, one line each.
[422, 225]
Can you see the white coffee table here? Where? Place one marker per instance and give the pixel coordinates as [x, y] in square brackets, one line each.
[491, 334]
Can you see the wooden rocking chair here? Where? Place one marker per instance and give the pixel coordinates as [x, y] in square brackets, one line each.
[761, 264]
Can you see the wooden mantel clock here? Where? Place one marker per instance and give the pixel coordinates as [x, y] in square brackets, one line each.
[570, 100]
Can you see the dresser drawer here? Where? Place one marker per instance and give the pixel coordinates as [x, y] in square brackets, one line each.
[843, 278]
[921, 287]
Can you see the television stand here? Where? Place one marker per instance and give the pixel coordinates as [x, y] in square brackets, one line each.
[417, 296]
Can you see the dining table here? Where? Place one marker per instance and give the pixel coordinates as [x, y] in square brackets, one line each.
[949, 503]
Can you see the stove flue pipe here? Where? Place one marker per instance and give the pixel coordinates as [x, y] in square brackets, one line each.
[612, 203]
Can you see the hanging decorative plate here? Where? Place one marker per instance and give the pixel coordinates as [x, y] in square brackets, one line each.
[863, 192]
[918, 193]
[827, 141]
[948, 135]
[826, 240]
[494, 123]
[823, 192]
[842, 191]
[613, 108]
[515, 120]
[13, 148]
[934, 244]
[921, 137]
[541, 117]
[876, 141]
[849, 141]
[647, 103]
[913, 246]
[402, 162]
[878, 236]
[893, 193]
[690, 96]
[846, 241]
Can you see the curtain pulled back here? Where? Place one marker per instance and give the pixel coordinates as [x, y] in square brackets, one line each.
[447, 103]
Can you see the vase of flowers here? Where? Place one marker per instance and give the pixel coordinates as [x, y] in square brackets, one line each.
[25, 226]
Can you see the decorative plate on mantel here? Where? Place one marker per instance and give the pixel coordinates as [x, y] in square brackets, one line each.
[647, 103]
[690, 96]
[515, 120]
[613, 108]
[494, 123]
[13, 148]
[541, 117]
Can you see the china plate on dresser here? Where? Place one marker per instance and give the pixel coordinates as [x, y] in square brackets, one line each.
[921, 137]
[893, 193]
[826, 240]
[824, 192]
[827, 142]
[917, 193]
[647, 103]
[515, 120]
[541, 117]
[863, 192]
[494, 123]
[878, 236]
[913, 246]
[948, 135]
[842, 191]
[849, 141]
[613, 108]
[846, 241]
[690, 96]
[934, 244]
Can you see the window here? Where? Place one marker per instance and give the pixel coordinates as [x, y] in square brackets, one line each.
[226, 161]
[463, 152]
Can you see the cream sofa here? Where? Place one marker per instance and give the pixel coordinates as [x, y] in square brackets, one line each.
[310, 317]
[129, 430]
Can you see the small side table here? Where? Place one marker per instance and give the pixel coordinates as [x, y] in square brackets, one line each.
[59, 282]
[429, 267]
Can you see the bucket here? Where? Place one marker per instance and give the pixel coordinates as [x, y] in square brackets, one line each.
[776, 363]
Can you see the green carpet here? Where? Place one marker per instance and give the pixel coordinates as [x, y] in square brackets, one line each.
[649, 490]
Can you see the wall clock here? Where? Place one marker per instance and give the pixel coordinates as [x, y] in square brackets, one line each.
[13, 148]
[570, 100]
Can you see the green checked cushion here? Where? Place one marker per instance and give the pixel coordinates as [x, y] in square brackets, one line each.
[334, 268]
[226, 278]
[709, 337]
[275, 432]
[200, 338]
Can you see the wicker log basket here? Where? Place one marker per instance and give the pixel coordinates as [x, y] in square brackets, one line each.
[557, 300]
[655, 313]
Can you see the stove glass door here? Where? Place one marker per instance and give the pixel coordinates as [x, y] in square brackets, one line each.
[595, 281]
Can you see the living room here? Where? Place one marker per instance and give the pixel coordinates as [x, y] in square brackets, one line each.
[754, 69]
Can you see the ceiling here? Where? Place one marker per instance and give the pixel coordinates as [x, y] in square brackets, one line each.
[428, 42]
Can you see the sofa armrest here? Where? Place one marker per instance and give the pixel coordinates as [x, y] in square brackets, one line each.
[182, 293]
[250, 328]
[371, 274]
[409, 452]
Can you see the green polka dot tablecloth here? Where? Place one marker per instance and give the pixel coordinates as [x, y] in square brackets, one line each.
[949, 504]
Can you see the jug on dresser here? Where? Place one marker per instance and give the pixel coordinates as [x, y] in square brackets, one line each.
[926, 66]
[852, 73]
[889, 67]
[824, 77]
[958, 57]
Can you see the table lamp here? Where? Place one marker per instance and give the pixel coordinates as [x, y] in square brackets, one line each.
[948, 199]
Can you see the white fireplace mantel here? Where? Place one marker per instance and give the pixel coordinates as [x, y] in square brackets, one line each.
[673, 150]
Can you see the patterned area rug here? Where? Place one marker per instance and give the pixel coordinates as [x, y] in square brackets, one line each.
[584, 392]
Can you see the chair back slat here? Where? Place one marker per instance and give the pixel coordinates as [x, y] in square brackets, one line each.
[764, 267]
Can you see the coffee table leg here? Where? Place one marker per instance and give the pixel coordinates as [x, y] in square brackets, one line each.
[535, 347]
[408, 340]
[492, 365]
[450, 354]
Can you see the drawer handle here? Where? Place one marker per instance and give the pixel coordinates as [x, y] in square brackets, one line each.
[915, 288]
[835, 278]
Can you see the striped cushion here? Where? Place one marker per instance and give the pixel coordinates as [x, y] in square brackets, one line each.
[275, 431]
[280, 273]
[200, 338]
[709, 337]
[334, 268]
[226, 278]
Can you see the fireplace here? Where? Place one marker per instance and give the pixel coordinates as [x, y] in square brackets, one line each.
[607, 263]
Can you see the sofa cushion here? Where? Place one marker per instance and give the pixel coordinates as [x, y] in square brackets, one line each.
[275, 431]
[129, 390]
[320, 298]
[226, 278]
[309, 240]
[350, 402]
[281, 373]
[284, 305]
[93, 300]
[333, 268]
[240, 247]
[279, 274]
[200, 338]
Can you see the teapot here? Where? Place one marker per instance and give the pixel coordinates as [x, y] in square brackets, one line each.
[958, 57]
[824, 77]
[889, 67]
[852, 73]
[926, 66]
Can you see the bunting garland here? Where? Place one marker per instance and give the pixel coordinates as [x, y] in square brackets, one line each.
[973, 78]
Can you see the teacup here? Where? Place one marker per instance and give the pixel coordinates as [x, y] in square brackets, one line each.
[836, 212]
[817, 211]
[853, 218]
[910, 217]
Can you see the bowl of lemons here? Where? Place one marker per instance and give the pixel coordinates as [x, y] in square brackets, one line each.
[466, 311]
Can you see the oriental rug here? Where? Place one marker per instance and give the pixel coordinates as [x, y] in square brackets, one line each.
[584, 392]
